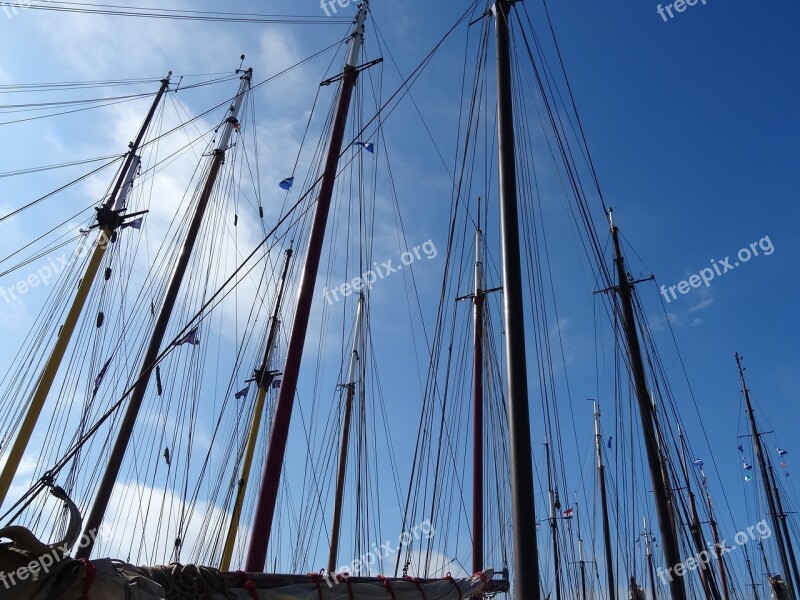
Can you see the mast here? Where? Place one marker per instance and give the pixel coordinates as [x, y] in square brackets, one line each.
[750, 575]
[264, 378]
[662, 489]
[125, 432]
[270, 480]
[554, 505]
[580, 552]
[601, 475]
[526, 556]
[649, 553]
[348, 411]
[765, 479]
[109, 219]
[478, 299]
[709, 585]
[784, 525]
[723, 574]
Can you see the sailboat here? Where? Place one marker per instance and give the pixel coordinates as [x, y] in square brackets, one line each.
[141, 373]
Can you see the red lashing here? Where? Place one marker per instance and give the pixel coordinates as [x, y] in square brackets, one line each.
[91, 575]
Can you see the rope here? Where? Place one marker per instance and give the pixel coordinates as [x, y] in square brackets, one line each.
[192, 582]
[416, 582]
[449, 578]
[387, 584]
[91, 575]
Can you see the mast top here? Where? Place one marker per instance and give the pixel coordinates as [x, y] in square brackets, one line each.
[611, 218]
[357, 39]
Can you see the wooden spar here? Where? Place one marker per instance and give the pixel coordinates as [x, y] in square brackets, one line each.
[350, 390]
[479, 300]
[554, 506]
[109, 218]
[601, 475]
[523, 514]
[662, 490]
[580, 557]
[263, 380]
[786, 535]
[270, 479]
[106, 487]
[723, 575]
[709, 585]
[762, 463]
[649, 552]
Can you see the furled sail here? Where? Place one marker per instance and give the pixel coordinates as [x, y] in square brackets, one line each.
[111, 580]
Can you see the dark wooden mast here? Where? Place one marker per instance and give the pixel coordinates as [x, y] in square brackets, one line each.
[649, 553]
[479, 300]
[526, 556]
[786, 535]
[601, 475]
[662, 490]
[270, 480]
[95, 518]
[555, 507]
[780, 532]
[709, 584]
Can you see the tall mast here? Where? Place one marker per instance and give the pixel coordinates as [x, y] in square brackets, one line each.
[350, 390]
[581, 562]
[554, 506]
[709, 585]
[526, 555]
[270, 480]
[109, 219]
[649, 553]
[784, 525]
[750, 575]
[125, 432]
[478, 300]
[662, 490]
[601, 475]
[723, 574]
[762, 463]
[263, 378]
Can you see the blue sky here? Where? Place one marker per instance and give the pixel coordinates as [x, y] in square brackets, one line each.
[692, 124]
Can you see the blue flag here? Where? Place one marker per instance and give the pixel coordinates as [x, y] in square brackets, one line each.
[242, 393]
[276, 383]
[136, 224]
[99, 379]
[698, 463]
[190, 338]
[746, 466]
[368, 146]
[609, 442]
[286, 184]
[781, 452]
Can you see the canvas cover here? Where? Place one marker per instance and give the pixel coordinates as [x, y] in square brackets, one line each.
[112, 580]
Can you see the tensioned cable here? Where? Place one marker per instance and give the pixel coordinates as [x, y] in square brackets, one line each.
[174, 14]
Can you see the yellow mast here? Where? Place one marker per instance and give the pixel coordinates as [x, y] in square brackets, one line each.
[264, 378]
[109, 218]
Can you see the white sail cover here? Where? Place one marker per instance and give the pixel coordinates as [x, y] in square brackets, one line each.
[112, 580]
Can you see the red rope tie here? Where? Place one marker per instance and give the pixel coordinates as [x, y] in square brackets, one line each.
[91, 575]
[387, 585]
[317, 579]
[249, 585]
[480, 575]
[417, 582]
[449, 578]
